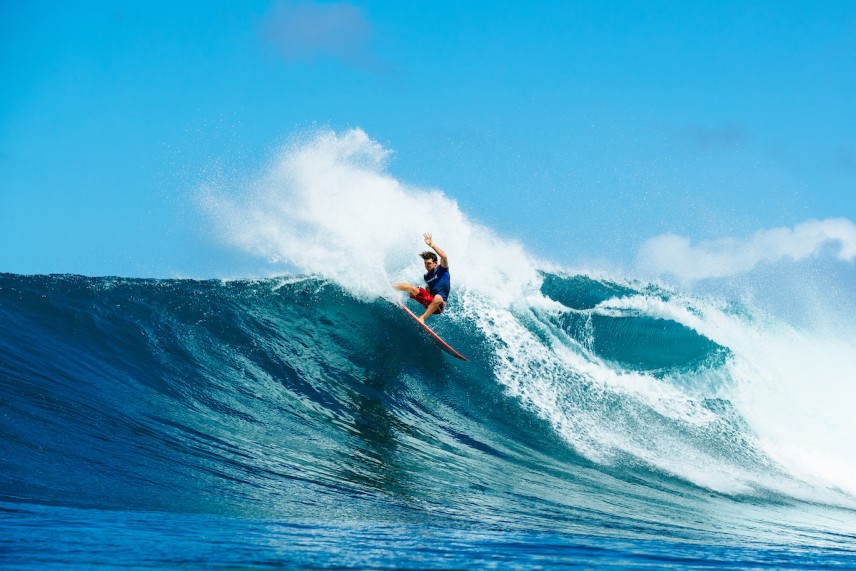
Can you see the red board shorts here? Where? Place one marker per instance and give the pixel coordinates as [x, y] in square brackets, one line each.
[425, 298]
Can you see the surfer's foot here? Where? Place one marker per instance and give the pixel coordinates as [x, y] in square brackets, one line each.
[421, 320]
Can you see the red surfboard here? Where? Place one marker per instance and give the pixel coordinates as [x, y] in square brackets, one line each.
[443, 345]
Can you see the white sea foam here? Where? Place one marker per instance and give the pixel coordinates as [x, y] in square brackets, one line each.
[796, 389]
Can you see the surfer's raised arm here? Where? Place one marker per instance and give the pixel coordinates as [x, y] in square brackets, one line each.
[444, 261]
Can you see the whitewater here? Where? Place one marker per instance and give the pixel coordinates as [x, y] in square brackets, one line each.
[300, 420]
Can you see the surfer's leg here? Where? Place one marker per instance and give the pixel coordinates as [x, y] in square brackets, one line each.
[411, 289]
[436, 306]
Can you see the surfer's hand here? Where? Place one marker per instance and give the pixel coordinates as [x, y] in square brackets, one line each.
[428, 239]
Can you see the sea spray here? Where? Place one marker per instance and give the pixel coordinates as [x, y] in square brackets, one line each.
[326, 205]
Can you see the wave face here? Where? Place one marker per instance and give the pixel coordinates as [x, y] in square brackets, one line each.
[596, 406]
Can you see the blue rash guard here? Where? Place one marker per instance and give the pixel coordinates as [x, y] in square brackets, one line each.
[439, 282]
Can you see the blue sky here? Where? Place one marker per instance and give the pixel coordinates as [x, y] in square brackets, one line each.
[582, 129]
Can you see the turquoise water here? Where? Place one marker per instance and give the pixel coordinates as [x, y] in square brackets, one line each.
[286, 423]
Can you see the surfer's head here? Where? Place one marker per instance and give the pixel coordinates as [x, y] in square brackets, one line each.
[430, 260]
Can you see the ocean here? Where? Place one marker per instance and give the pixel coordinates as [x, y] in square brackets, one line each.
[292, 422]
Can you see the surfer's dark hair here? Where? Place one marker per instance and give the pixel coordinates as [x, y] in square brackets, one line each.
[429, 256]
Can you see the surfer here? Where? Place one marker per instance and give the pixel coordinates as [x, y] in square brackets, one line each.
[434, 298]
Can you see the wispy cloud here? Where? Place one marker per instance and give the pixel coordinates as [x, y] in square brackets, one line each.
[714, 138]
[845, 159]
[306, 30]
[670, 254]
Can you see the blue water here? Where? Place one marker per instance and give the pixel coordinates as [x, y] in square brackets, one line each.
[285, 423]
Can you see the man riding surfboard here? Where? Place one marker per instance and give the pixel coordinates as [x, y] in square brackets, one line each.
[434, 298]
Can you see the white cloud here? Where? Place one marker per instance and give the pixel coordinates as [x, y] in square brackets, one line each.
[670, 254]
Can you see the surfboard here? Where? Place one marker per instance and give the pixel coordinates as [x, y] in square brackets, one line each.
[437, 339]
